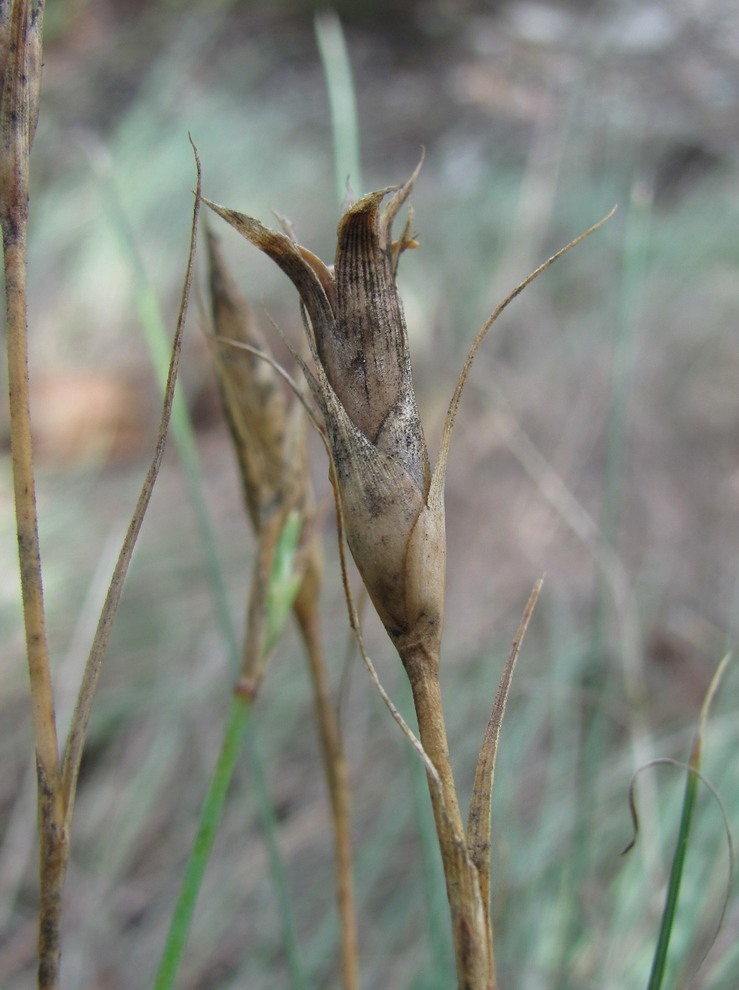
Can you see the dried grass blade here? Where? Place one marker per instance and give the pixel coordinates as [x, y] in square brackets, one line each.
[81, 717]
[437, 482]
[478, 822]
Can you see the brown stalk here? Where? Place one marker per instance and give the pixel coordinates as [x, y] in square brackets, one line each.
[20, 55]
[21, 24]
[254, 666]
[335, 769]
[474, 963]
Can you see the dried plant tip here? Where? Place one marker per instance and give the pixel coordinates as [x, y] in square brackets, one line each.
[21, 23]
[268, 435]
[361, 379]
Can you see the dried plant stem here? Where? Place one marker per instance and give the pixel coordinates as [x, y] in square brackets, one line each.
[306, 613]
[17, 129]
[474, 964]
[54, 859]
[47, 751]
[14, 241]
[20, 76]
[53, 834]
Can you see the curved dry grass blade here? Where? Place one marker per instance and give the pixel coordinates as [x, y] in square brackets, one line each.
[695, 757]
[437, 482]
[78, 729]
[479, 818]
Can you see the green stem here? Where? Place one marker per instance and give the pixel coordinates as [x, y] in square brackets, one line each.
[659, 963]
[277, 866]
[209, 818]
[239, 726]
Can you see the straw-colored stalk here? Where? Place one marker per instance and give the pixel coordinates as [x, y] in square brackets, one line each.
[21, 24]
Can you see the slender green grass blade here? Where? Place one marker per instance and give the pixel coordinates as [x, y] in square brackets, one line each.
[278, 872]
[284, 582]
[343, 102]
[282, 591]
[210, 817]
[659, 962]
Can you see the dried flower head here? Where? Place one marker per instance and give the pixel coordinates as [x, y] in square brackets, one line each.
[393, 509]
[269, 437]
[267, 431]
[361, 379]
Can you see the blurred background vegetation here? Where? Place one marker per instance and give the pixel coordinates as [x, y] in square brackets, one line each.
[598, 442]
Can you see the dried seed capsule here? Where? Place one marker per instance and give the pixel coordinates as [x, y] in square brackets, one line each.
[362, 382]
